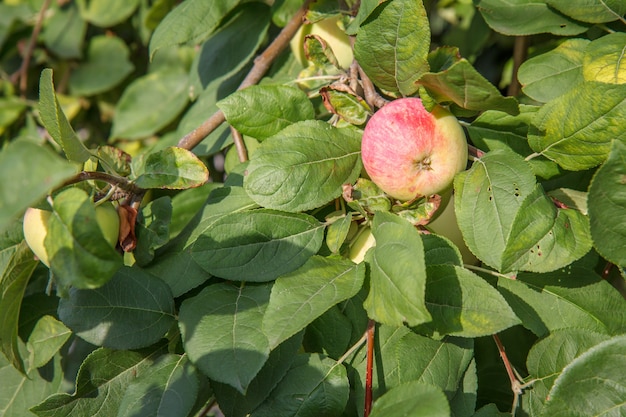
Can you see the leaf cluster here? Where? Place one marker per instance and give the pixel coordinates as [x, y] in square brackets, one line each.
[234, 284]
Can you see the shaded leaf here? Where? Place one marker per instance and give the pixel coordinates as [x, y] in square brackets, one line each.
[573, 297]
[413, 399]
[16, 266]
[527, 17]
[149, 104]
[101, 316]
[192, 21]
[221, 329]
[463, 304]
[592, 384]
[301, 296]
[105, 13]
[168, 388]
[46, 339]
[78, 252]
[398, 273]
[171, 168]
[607, 206]
[314, 386]
[550, 355]
[258, 245]
[107, 64]
[304, 166]
[392, 45]
[102, 380]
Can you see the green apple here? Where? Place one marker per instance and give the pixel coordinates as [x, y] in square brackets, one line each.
[363, 240]
[445, 224]
[36, 228]
[331, 31]
[410, 152]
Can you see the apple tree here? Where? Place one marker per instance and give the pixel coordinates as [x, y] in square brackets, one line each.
[272, 252]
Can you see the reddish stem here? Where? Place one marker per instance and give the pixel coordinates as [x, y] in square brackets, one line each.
[371, 330]
[507, 363]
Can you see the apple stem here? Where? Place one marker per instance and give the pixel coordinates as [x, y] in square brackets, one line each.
[114, 180]
[261, 65]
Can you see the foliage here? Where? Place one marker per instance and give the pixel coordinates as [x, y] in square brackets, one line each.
[232, 284]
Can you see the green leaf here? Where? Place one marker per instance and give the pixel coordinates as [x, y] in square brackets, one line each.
[581, 298]
[398, 273]
[607, 205]
[233, 404]
[463, 304]
[337, 232]
[330, 333]
[392, 45]
[404, 356]
[168, 388]
[604, 59]
[106, 66]
[16, 266]
[315, 386]
[413, 399]
[150, 103]
[592, 12]
[171, 168]
[488, 197]
[439, 250]
[544, 238]
[548, 75]
[262, 111]
[176, 257]
[56, 123]
[350, 107]
[494, 129]
[301, 296]
[191, 22]
[258, 245]
[550, 355]
[64, 32]
[102, 380]
[593, 384]
[579, 137]
[24, 183]
[106, 13]
[79, 255]
[221, 329]
[231, 47]
[304, 166]
[527, 17]
[152, 229]
[48, 336]
[463, 85]
[101, 316]
[19, 392]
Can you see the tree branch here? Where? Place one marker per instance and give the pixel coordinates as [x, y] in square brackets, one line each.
[261, 65]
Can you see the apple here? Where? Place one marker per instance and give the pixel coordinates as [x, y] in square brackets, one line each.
[331, 31]
[36, 228]
[410, 152]
[445, 224]
[363, 240]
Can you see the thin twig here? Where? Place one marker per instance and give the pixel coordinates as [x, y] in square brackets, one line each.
[240, 146]
[22, 73]
[517, 386]
[520, 52]
[261, 65]
[371, 329]
[374, 99]
[120, 182]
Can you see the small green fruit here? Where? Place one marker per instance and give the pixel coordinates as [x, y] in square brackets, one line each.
[362, 242]
[36, 228]
[445, 224]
